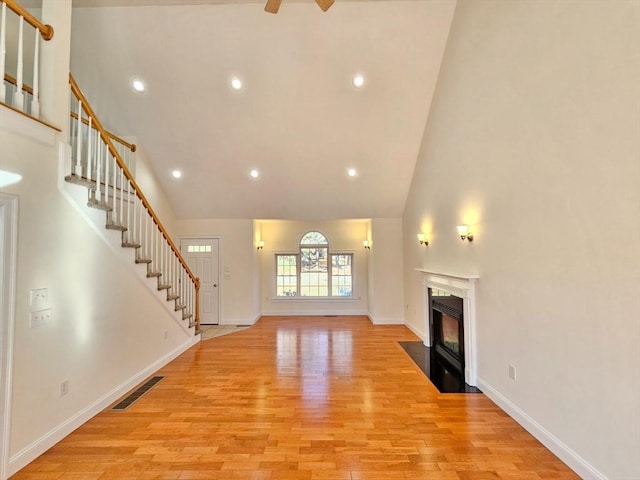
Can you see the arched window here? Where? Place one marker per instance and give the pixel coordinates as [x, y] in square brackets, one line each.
[307, 273]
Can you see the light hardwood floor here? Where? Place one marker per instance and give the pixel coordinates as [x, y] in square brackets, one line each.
[300, 398]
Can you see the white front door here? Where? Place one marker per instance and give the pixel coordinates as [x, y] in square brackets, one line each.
[202, 256]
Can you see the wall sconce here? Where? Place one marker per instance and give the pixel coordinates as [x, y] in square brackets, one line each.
[260, 244]
[465, 234]
[366, 244]
[423, 239]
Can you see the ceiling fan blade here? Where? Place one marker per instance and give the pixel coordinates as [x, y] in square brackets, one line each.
[324, 4]
[272, 6]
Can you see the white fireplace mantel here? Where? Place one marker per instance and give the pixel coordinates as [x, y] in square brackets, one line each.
[461, 285]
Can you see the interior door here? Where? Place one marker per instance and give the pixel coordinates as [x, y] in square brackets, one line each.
[202, 256]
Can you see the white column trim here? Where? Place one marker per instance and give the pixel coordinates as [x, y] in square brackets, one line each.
[8, 259]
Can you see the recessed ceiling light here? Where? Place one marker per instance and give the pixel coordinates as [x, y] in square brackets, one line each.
[254, 173]
[358, 80]
[236, 83]
[138, 86]
[352, 172]
[176, 174]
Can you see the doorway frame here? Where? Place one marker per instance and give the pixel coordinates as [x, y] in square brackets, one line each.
[220, 269]
[8, 274]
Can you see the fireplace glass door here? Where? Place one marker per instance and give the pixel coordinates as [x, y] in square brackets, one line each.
[448, 330]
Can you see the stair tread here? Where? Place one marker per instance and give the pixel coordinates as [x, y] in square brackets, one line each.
[172, 297]
[99, 205]
[130, 245]
[78, 180]
[113, 226]
[187, 316]
[164, 287]
[180, 307]
[153, 274]
[143, 260]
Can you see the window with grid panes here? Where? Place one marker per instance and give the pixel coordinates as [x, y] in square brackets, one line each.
[316, 271]
[286, 275]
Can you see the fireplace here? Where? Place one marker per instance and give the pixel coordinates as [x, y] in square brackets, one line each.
[458, 346]
[447, 326]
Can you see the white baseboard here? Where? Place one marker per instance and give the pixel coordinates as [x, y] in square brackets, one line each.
[385, 321]
[568, 456]
[420, 335]
[240, 321]
[314, 313]
[48, 440]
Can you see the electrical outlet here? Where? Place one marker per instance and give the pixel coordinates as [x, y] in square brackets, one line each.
[64, 388]
[512, 372]
[40, 317]
[39, 297]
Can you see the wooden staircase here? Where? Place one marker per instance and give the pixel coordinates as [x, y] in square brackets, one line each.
[98, 166]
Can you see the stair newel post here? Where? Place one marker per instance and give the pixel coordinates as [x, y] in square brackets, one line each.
[192, 294]
[197, 312]
[3, 51]
[18, 95]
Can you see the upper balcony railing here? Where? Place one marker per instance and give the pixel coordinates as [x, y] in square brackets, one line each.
[15, 63]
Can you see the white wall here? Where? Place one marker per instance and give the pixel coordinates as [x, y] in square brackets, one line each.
[534, 140]
[345, 236]
[150, 187]
[107, 327]
[237, 257]
[385, 271]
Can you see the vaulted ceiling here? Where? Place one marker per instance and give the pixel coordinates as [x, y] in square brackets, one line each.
[298, 119]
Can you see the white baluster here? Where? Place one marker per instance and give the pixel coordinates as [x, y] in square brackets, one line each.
[146, 232]
[35, 101]
[128, 210]
[98, 192]
[18, 96]
[121, 216]
[113, 187]
[3, 51]
[106, 173]
[134, 235]
[89, 150]
[78, 168]
[70, 131]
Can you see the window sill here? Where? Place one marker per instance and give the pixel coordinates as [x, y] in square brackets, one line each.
[315, 299]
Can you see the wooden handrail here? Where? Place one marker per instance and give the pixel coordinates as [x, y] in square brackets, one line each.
[113, 136]
[13, 81]
[127, 173]
[45, 30]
